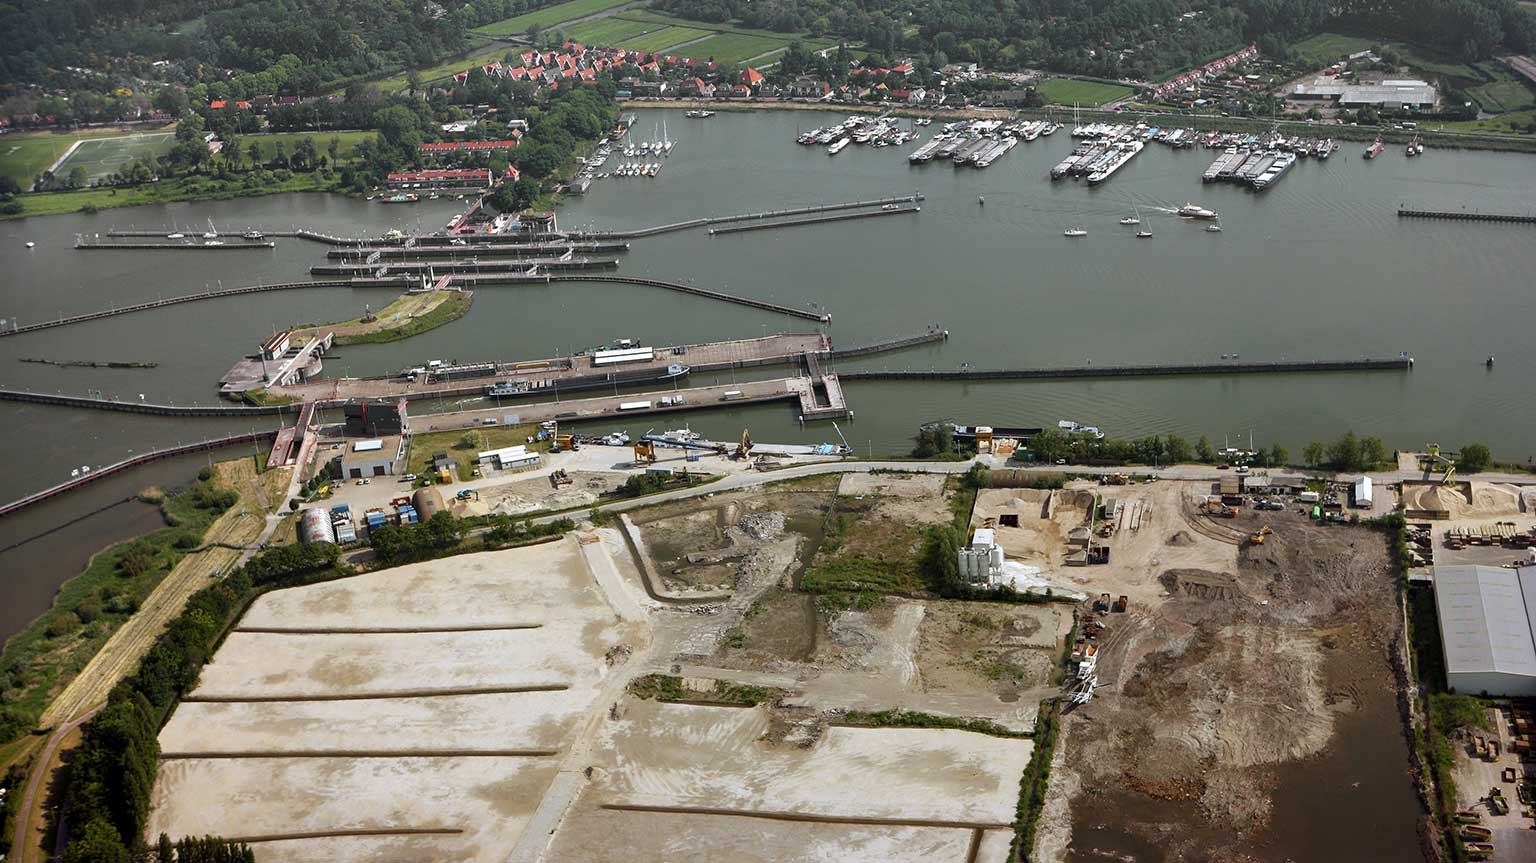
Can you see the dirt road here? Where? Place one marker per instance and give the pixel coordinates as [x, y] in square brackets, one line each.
[28, 842]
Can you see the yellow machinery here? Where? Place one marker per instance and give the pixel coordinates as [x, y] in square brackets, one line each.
[645, 452]
[1258, 536]
[744, 447]
[1434, 461]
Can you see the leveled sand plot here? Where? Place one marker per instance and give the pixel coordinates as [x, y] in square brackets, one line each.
[380, 717]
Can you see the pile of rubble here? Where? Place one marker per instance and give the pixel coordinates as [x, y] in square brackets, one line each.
[764, 526]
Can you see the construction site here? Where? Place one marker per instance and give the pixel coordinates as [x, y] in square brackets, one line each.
[760, 673]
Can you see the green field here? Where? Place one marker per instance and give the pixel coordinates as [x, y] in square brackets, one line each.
[193, 189]
[730, 49]
[1327, 48]
[606, 32]
[101, 157]
[547, 17]
[290, 140]
[496, 51]
[665, 38]
[1498, 97]
[1516, 122]
[1068, 91]
[26, 155]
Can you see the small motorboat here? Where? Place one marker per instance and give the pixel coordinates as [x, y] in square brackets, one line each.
[30, 244]
[1130, 220]
[1143, 235]
[1074, 232]
[1213, 229]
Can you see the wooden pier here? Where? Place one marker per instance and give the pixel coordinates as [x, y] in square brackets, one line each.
[1401, 364]
[1465, 216]
[206, 246]
[915, 198]
[813, 220]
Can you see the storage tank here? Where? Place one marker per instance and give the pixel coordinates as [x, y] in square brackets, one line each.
[315, 526]
[428, 502]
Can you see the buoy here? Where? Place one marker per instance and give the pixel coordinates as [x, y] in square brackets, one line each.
[981, 200]
[1490, 362]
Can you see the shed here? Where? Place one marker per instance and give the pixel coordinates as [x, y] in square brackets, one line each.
[428, 502]
[1363, 492]
[509, 457]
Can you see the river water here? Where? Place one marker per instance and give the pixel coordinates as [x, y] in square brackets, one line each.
[1319, 266]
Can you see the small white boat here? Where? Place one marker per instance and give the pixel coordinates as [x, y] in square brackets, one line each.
[1130, 220]
[1214, 229]
[30, 244]
[177, 236]
[1074, 232]
[1143, 235]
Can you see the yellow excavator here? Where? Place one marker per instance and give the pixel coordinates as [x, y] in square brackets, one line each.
[1257, 537]
[744, 447]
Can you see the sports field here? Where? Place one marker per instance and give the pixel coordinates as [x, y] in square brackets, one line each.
[548, 17]
[101, 157]
[26, 155]
[1069, 91]
[729, 45]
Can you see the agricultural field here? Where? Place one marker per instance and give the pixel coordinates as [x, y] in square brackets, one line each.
[548, 17]
[610, 31]
[730, 49]
[664, 38]
[492, 52]
[1503, 96]
[1068, 91]
[101, 157]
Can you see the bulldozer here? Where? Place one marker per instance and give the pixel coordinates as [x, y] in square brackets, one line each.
[1257, 538]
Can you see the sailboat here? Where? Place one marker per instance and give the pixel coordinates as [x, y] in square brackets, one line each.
[212, 233]
[666, 140]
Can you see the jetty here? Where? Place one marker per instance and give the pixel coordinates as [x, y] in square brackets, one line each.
[205, 246]
[914, 198]
[895, 210]
[1402, 364]
[1465, 216]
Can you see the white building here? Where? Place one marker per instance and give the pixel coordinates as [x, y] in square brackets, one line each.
[1363, 493]
[1488, 628]
[509, 458]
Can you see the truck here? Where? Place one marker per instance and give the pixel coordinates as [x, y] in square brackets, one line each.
[634, 406]
[1309, 497]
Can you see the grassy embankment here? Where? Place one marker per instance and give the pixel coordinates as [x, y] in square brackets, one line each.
[42, 659]
[406, 316]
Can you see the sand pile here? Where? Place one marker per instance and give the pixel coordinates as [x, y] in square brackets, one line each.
[1464, 500]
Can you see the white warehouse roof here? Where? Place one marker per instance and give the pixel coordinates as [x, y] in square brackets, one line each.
[1487, 617]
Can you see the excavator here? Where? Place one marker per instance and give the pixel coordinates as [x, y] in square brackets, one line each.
[1257, 538]
[744, 447]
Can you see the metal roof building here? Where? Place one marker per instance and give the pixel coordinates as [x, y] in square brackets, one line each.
[1488, 628]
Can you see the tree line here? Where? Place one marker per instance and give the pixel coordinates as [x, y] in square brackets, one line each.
[112, 776]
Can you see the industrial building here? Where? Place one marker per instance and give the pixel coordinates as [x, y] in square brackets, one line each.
[1389, 94]
[376, 418]
[1363, 493]
[509, 458]
[1488, 628]
[370, 458]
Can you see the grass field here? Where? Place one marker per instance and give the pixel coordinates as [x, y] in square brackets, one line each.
[1498, 97]
[547, 17]
[193, 189]
[730, 49]
[1515, 122]
[290, 140]
[493, 51]
[101, 157]
[418, 460]
[665, 38]
[1068, 91]
[610, 31]
[1326, 48]
[729, 46]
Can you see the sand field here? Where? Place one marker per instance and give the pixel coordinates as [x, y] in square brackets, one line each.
[303, 755]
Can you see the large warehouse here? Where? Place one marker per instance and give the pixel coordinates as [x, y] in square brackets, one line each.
[1488, 628]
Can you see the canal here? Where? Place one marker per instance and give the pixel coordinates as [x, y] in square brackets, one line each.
[1317, 267]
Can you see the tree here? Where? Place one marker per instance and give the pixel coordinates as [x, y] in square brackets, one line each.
[1278, 456]
[941, 560]
[1474, 458]
[1176, 449]
[1372, 453]
[1314, 453]
[937, 440]
[471, 439]
[253, 151]
[1345, 453]
[97, 842]
[77, 177]
[1204, 452]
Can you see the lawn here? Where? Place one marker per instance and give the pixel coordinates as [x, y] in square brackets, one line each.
[606, 32]
[101, 157]
[547, 17]
[665, 38]
[1515, 122]
[346, 147]
[1325, 49]
[454, 444]
[731, 45]
[1068, 91]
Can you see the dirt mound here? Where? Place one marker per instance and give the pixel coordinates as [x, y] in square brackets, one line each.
[1463, 500]
[1199, 584]
[765, 526]
[1181, 539]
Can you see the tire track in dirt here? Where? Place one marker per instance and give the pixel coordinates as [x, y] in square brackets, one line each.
[372, 696]
[810, 818]
[360, 753]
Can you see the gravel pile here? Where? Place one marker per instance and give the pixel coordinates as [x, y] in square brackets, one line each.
[765, 526]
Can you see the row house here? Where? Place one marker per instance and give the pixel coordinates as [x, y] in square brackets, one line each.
[1210, 70]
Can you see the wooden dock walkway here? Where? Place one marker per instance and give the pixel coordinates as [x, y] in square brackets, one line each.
[812, 220]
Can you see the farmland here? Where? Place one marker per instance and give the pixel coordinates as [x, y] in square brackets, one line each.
[664, 38]
[1325, 48]
[1068, 91]
[548, 17]
[610, 31]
